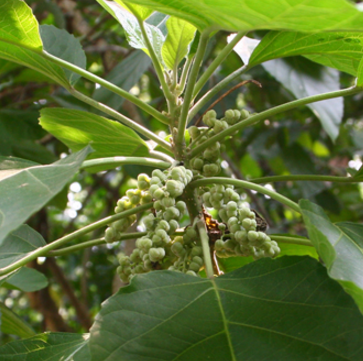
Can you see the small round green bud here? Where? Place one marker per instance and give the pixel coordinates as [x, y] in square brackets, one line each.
[159, 194]
[155, 181]
[191, 233]
[171, 213]
[156, 254]
[149, 221]
[210, 170]
[191, 273]
[196, 251]
[194, 132]
[244, 114]
[175, 188]
[174, 225]
[144, 244]
[163, 225]
[219, 245]
[143, 181]
[178, 249]
[181, 206]
[168, 202]
[198, 260]
[194, 267]
[157, 173]
[111, 235]
[197, 163]
[220, 125]
[153, 188]
[146, 197]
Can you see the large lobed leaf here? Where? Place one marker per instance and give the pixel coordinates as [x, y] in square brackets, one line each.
[77, 128]
[342, 51]
[284, 309]
[340, 246]
[298, 15]
[25, 191]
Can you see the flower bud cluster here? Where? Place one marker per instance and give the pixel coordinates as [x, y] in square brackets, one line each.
[208, 163]
[159, 248]
[244, 237]
[131, 200]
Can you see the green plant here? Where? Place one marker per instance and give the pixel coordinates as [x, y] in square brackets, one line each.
[183, 301]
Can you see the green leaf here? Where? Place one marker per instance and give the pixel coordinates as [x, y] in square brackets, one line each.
[19, 26]
[12, 324]
[13, 163]
[139, 11]
[27, 280]
[133, 31]
[176, 46]
[125, 75]
[304, 78]
[340, 246]
[25, 191]
[77, 128]
[46, 346]
[283, 309]
[61, 44]
[342, 51]
[304, 16]
[20, 40]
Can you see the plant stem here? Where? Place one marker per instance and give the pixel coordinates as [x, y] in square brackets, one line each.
[216, 62]
[121, 118]
[269, 113]
[179, 141]
[112, 87]
[94, 242]
[215, 90]
[117, 161]
[39, 252]
[245, 184]
[184, 75]
[291, 240]
[168, 95]
[206, 250]
[304, 177]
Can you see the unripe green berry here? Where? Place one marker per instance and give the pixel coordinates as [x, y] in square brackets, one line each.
[244, 114]
[178, 249]
[146, 197]
[153, 188]
[159, 194]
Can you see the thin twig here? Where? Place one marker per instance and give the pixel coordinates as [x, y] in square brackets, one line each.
[227, 93]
